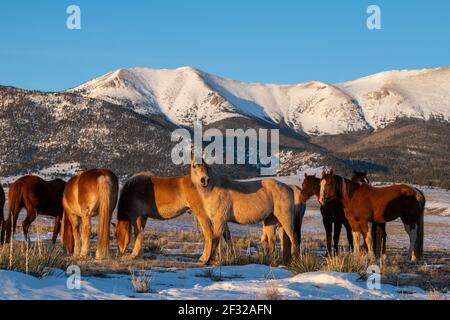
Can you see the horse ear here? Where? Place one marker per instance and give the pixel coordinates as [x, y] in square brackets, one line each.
[331, 172]
[306, 175]
[324, 173]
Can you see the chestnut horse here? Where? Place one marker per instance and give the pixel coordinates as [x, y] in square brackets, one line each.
[364, 203]
[90, 193]
[379, 236]
[227, 200]
[37, 196]
[145, 196]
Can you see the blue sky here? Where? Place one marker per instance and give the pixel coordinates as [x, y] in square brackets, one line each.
[285, 41]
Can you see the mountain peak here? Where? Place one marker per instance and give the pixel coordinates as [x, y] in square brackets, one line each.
[186, 94]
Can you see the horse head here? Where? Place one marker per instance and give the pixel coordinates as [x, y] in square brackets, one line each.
[328, 187]
[200, 173]
[309, 186]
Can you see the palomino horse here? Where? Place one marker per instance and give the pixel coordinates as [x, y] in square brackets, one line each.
[145, 196]
[37, 196]
[90, 193]
[379, 236]
[268, 237]
[332, 214]
[226, 200]
[364, 203]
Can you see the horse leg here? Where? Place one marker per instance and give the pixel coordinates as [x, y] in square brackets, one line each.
[328, 224]
[9, 228]
[367, 238]
[337, 235]
[348, 230]
[229, 240]
[269, 234]
[356, 231]
[411, 230]
[285, 218]
[75, 222]
[31, 216]
[139, 226]
[56, 228]
[205, 224]
[218, 230]
[85, 236]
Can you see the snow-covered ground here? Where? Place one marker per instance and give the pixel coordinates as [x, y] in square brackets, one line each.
[234, 283]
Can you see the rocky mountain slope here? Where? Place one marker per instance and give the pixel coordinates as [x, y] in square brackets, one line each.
[394, 124]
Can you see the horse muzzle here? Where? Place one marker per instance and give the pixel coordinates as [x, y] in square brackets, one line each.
[204, 181]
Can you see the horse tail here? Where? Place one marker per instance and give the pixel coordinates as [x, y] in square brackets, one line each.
[15, 197]
[123, 227]
[67, 232]
[107, 194]
[420, 225]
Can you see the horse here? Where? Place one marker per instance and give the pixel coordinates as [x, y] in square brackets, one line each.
[379, 235]
[332, 214]
[2, 206]
[244, 202]
[90, 193]
[37, 196]
[145, 196]
[364, 203]
[268, 237]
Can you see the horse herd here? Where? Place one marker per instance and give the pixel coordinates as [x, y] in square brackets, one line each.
[214, 199]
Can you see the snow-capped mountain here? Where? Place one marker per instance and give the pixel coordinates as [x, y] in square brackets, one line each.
[186, 94]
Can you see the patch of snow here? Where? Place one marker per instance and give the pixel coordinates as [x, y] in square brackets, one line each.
[238, 282]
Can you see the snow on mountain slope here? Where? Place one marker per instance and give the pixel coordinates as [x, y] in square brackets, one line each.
[186, 94]
[389, 95]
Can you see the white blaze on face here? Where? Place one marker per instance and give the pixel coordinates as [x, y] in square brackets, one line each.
[322, 191]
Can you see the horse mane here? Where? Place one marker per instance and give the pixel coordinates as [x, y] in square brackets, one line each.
[346, 187]
[226, 182]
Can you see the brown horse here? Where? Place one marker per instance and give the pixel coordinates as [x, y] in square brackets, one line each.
[227, 200]
[2, 205]
[332, 214]
[90, 193]
[145, 196]
[37, 196]
[364, 203]
[379, 236]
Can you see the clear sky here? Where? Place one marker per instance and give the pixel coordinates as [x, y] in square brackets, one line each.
[284, 41]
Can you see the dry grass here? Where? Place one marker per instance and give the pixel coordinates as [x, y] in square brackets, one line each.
[305, 261]
[346, 262]
[35, 259]
[141, 281]
[272, 293]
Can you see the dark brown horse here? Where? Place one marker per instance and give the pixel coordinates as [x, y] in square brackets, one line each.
[37, 196]
[332, 214]
[364, 203]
